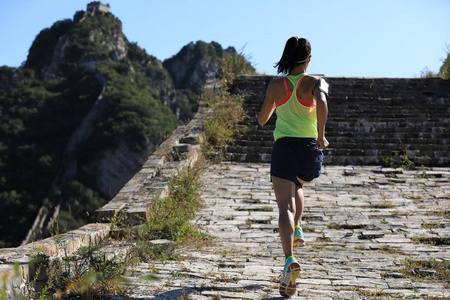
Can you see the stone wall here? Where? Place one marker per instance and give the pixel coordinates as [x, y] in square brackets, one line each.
[370, 119]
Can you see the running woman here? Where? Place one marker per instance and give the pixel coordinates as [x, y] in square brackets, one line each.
[301, 107]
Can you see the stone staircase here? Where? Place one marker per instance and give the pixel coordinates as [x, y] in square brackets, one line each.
[369, 119]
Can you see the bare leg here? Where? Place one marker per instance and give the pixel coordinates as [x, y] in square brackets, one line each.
[299, 205]
[285, 195]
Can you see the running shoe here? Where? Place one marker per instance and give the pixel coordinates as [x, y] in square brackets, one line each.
[299, 241]
[290, 273]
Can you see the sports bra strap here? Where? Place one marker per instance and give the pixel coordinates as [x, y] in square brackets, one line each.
[285, 84]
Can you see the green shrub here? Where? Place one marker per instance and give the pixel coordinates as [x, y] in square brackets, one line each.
[444, 71]
[225, 124]
[234, 65]
[402, 161]
[169, 217]
[426, 73]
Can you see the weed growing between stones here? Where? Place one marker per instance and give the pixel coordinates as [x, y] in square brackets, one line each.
[368, 294]
[234, 65]
[402, 161]
[428, 270]
[425, 175]
[382, 204]
[439, 213]
[431, 225]
[226, 123]
[217, 297]
[117, 221]
[226, 278]
[87, 274]
[318, 245]
[416, 198]
[347, 226]
[169, 218]
[391, 250]
[433, 241]
[224, 126]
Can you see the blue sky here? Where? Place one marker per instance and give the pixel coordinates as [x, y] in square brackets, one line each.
[371, 38]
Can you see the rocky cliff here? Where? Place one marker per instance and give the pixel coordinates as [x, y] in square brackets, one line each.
[195, 63]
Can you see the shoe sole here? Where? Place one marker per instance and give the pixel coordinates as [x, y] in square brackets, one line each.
[299, 242]
[288, 286]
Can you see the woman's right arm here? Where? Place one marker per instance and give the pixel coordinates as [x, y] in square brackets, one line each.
[268, 106]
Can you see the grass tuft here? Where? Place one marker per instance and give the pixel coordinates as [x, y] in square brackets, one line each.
[225, 125]
[426, 270]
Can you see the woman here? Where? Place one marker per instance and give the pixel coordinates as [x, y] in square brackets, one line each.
[300, 101]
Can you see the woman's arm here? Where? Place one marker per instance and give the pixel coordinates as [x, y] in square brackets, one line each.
[322, 114]
[268, 106]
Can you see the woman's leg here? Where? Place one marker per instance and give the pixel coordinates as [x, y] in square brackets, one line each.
[299, 204]
[285, 193]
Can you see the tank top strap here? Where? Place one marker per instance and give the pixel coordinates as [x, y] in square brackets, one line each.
[295, 79]
[288, 94]
[285, 84]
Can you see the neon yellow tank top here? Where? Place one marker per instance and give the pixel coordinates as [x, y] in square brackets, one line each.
[295, 117]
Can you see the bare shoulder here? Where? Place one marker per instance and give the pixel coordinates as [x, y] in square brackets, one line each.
[309, 81]
[277, 81]
[276, 84]
[311, 78]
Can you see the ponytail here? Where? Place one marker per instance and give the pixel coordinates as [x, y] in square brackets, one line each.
[296, 51]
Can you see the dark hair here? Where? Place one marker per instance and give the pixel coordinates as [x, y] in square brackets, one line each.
[296, 49]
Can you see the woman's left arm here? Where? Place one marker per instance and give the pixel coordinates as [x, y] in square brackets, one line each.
[322, 114]
[268, 106]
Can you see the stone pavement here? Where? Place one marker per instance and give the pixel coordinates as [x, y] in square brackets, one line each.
[360, 224]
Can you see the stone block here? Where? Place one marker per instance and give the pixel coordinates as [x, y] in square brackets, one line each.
[181, 148]
[367, 235]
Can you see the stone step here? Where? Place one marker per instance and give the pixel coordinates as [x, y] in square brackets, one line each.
[352, 144]
[381, 127]
[343, 107]
[381, 141]
[376, 115]
[335, 159]
[358, 150]
[384, 135]
[367, 99]
[361, 101]
[387, 132]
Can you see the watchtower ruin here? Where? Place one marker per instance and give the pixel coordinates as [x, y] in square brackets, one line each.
[98, 6]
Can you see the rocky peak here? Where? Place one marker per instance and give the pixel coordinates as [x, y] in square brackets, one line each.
[93, 36]
[195, 63]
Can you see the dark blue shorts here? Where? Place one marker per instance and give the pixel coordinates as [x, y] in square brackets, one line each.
[296, 157]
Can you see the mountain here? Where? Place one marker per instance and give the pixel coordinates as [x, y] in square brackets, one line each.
[195, 63]
[81, 117]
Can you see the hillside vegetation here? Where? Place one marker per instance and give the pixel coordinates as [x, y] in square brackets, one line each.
[82, 115]
[444, 71]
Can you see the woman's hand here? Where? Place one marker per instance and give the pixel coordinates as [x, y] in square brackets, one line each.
[322, 143]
